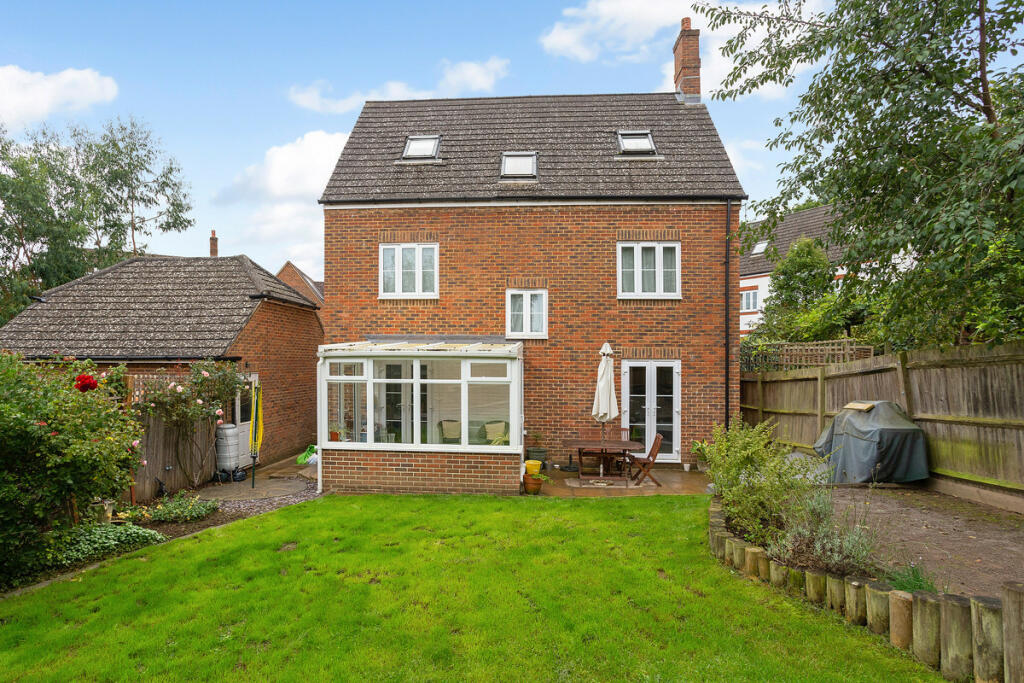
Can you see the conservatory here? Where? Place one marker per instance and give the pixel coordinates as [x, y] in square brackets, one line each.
[457, 397]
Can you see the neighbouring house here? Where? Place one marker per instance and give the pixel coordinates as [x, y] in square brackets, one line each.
[479, 252]
[756, 267]
[164, 312]
[294, 277]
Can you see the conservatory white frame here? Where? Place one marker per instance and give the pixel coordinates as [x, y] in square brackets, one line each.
[469, 353]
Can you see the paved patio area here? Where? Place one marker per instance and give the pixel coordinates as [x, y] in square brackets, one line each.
[675, 482]
[282, 478]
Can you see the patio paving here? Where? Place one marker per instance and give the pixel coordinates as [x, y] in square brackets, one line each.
[282, 478]
[675, 482]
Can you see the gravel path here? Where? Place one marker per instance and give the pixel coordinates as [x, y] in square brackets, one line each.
[965, 547]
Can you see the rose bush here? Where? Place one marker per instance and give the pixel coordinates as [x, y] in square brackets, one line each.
[66, 441]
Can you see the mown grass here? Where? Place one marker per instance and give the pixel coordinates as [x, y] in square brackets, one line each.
[436, 588]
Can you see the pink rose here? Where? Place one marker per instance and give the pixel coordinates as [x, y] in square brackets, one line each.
[220, 422]
[171, 385]
[143, 463]
[205, 373]
[152, 405]
[179, 388]
[135, 444]
[219, 412]
[199, 401]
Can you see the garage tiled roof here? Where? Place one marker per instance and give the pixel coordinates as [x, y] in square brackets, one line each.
[812, 223]
[153, 307]
[575, 137]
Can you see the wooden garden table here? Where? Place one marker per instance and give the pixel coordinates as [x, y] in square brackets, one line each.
[607, 451]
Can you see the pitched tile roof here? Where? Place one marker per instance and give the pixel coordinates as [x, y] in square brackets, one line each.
[575, 137]
[812, 223]
[152, 307]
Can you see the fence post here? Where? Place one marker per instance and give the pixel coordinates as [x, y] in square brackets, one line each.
[760, 397]
[821, 399]
[903, 380]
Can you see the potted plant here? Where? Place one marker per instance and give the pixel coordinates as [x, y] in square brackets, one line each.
[537, 451]
[533, 482]
[334, 429]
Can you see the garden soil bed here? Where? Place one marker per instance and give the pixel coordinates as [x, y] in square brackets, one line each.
[964, 547]
[232, 510]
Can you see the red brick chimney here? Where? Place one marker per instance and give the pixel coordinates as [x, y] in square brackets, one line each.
[687, 54]
[213, 244]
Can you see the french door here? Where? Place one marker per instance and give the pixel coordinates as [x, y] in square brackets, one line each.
[650, 404]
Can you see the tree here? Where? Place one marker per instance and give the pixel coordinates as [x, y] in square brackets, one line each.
[76, 201]
[913, 128]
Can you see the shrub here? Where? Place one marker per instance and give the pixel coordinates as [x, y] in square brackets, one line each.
[815, 539]
[758, 482]
[92, 542]
[181, 508]
[910, 577]
[68, 439]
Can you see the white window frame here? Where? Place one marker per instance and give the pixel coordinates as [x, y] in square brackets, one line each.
[513, 380]
[759, 248]
[659, 278]
[650, 416]
[528, 294]
[412, 138]
[519, 176]
[418, 293]
[636, 133]
[748, 301]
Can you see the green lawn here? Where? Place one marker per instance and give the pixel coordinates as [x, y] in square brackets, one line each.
[448, 588]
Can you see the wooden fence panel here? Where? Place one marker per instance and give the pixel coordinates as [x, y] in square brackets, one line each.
[158, 449]
[968, 402]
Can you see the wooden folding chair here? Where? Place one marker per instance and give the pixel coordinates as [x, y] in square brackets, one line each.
[645, 464]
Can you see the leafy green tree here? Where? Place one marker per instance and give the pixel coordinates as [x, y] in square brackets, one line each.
[912, 126]
[76, 201]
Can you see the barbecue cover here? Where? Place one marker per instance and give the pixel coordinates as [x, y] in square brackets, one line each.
[879, 445]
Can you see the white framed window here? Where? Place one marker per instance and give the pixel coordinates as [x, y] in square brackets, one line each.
[408, 271]
[526, 313]
[519, 165]
[636, 142]
[648, 270]
[759, 248]
[422, 147]
[436, 402]
[748, 301]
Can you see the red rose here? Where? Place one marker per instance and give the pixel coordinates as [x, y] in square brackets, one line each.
[53, 433]
[86, 383]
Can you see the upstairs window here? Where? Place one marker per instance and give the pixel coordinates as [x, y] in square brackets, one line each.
[648, 270]
[748, 301]
[759, 248]
[422, 147]
[408, 271]
[526, 313]
[636, 142]
[519, 165]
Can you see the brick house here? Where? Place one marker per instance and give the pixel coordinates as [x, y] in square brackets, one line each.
[156, 312]
[756, 268]
[479, 252]
[294, 277]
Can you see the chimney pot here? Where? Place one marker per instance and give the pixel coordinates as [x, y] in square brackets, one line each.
[687, 63]
[213, 244]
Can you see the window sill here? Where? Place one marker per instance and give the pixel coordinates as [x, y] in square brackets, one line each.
[650, 297]
[418, 448]
[411, 297]
[526, 336]
[639, 157]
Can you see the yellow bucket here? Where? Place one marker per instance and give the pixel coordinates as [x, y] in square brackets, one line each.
[533, 466]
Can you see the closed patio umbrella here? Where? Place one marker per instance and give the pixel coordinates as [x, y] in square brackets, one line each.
[606, 407]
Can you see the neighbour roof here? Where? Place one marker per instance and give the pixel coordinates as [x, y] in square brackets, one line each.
[812, 223]
[575, 137]
[153, 307]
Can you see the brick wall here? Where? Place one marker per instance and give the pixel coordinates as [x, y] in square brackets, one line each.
[406, 472]
[292, 276]
[280, 343]
[570, 250]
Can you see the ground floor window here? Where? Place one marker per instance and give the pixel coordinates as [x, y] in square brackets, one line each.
[442, 400]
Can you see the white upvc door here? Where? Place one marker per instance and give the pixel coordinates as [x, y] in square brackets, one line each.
[650, 404]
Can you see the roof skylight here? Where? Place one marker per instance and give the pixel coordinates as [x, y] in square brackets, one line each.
[518, 164]
[636, 142]
[759, 248]
[422, 147]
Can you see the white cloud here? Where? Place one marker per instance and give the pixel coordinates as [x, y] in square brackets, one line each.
[32, 96]
[458, 78]
[296, 170]
[739, 152]
[636, 30]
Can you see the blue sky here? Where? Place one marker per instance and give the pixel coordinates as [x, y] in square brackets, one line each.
[254, 101]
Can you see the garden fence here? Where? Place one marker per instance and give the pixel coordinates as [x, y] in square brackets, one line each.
[967, 400]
